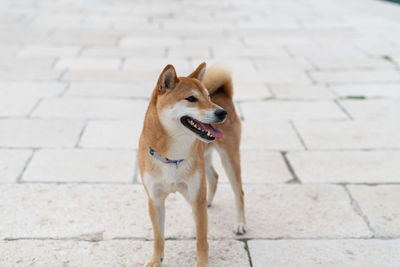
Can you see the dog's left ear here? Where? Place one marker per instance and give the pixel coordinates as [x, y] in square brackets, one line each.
[199, 72]
[167, 79]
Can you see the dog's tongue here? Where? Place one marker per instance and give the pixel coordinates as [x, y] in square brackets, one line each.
[213, 131]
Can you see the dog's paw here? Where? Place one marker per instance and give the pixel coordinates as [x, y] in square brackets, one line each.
[153, 264]
[240, 229]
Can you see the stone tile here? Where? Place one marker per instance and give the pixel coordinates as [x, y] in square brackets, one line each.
[88, 63]
[146, 41]
[110, 89]
[258, 167]
[110, 76]
[380, 205]
[28, 89]
[182, 66]
[300, 92]
[346, 253]
[121, 211]
[29, 133]
[346, 166]
[291, 110]
[32, 75]
[349, 135]
[16, 106]
[277, 135]
[12, 163]
[352, 63]
[374, 109]
[202, 53]
[326, 51]
[284, 64]
[81, 165]
[251, 52]
[48, 50]
[100, 51]
[273, 77]
[224, 253]
[28, 63]
[360, 76]
[251, 91]
[389, 90]
[112, 134]
[91, 108]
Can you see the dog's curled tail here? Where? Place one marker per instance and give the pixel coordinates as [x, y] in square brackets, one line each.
[218, 78]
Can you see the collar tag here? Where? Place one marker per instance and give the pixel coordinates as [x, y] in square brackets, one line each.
[162, 159]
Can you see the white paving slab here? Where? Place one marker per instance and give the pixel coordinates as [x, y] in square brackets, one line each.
[302, 92]
[88, 63]
[389, 90]
[12, 163]
[80, 165]
[224, 253]
[372, 110]
[380, 205]
[274, 135]
[60, 211]
[29, 133]
[91, 108]
[295, 110]
[48, 51]
[346, 166]
[356, 76]
[16, 106]
[112, 134]
[349, 134]
[30, 89]
[291, 253]
[111, 89]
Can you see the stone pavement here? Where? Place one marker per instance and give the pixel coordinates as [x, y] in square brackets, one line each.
[318, 89]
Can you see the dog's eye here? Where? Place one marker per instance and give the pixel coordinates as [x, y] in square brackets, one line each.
[191, 99]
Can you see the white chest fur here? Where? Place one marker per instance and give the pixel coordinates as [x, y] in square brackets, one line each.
[173, 178]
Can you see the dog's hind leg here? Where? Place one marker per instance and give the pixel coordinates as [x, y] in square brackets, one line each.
[212, 177]
[230, 157]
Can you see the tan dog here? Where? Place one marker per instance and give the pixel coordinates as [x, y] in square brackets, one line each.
[175, 145]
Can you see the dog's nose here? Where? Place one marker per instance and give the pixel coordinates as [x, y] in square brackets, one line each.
[221, 114]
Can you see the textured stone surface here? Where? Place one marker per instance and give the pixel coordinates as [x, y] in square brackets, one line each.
[346, 166]
[301, 92]
[380, 205]
[349, 135]
[291, 253]
[390, 90]
[12, 163]
[224, 253]
[60, 211]
[79, 165]
[372, 109]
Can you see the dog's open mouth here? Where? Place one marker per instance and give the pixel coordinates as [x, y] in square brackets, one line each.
[204, 130]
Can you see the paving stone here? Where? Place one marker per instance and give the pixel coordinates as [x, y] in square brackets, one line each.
[290, 253]
[290, 211]
[274, 135]
[110, 76]
[111, 89]
[81, 165]
[380, 205]
[252, 52]
[285, 64]
[351, 63]
[251, 92]
[372, 109]
[144, 64]
[48, 50]
[28, 63]
[295, 110]
[301, 92]
[112, 134]
[257, 167]
[224, 253]
[328, 51]
[88, 63]
[16, 106]
[346, 166]
[349, 135]
[146, 41]
[32, 75]
[273, 77]
[359, 76]
[29, 133]
[389, 90]
[28, 89]
[12, 162]
[91, 108]
[100, 51]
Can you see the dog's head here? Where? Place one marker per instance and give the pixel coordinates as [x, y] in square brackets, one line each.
[184, 105]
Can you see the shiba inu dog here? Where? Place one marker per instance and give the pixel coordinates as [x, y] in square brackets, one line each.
[188, 117]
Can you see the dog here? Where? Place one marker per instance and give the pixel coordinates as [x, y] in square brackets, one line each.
[186, 119]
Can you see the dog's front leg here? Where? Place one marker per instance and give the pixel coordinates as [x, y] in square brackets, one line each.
[157, 215]
[200, 215]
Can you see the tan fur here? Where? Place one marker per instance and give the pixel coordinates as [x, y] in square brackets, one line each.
[189, 177]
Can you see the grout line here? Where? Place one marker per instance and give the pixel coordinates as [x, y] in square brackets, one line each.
[34, 107]
[298, 134]
[246, 247]
[77, 144]
[28, 161]
[343, 109]
[295, 179]
[359, 211]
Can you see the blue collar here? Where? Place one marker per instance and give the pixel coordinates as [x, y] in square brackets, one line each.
[162, 159]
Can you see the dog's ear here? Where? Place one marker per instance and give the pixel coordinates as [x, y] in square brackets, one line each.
[199, 72]
[167, 79]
